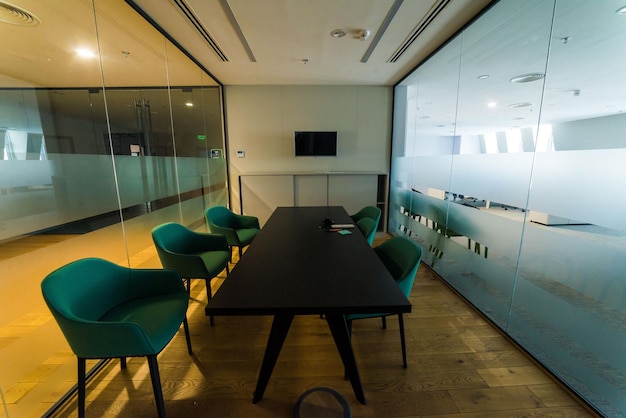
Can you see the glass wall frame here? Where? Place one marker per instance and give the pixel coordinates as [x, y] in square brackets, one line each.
[107, 130]
[507, 168]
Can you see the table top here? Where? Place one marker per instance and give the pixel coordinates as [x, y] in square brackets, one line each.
[295, 267]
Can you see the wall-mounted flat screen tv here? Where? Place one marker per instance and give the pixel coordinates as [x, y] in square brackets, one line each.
[315, 143]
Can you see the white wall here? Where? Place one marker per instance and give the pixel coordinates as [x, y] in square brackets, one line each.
[595, 133]
[261, 121]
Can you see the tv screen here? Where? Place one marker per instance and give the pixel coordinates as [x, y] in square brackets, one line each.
[315, 143]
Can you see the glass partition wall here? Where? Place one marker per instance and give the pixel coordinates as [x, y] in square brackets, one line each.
[509, 159]
[106, 130]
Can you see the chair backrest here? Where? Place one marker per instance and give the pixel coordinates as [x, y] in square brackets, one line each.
[368, 227]
[173, 238]
[85, 289]
[402, 257]
[221, 216]
[371, 212]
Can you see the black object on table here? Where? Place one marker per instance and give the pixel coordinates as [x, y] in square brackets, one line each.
[294, 267]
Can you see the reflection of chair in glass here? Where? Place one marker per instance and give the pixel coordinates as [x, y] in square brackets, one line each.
[401, 256]
[109, 311]
[239, 230]
[194, 255]
[367, 226]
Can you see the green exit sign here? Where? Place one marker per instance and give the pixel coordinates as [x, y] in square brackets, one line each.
[201, 137]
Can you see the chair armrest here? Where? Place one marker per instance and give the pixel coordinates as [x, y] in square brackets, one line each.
[189, 266]
[203, 241]
[153, 282]
[248, 222]
[229, 233]
[95, 339]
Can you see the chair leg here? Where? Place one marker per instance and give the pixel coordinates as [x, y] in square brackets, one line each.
[402, 340]
[156, 385]
[123, 362]
[188, 285]
[82, 370]
[187, 336]
[384, 321]
[208, 295]
[239, 252]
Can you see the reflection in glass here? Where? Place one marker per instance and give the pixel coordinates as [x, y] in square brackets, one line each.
[507, 168]
[94, 152]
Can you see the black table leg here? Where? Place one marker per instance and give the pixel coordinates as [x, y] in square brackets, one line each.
[280, 327]
[339, 329]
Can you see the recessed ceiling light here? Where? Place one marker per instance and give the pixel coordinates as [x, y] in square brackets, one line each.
[527, 78]
[338, 33]
[189, 104]
[621, 10]
[483, 77]
[85, 53]
[492, 104]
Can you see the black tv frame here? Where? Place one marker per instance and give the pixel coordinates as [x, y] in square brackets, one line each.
[315, 143]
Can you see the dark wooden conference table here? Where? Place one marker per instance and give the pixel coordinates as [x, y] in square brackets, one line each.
[293, 267]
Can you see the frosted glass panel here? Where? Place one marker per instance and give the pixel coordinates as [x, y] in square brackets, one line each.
[570, 306]
[508, 169]
[84, 145]
[501, 178]
[573, 185]
[433, 171]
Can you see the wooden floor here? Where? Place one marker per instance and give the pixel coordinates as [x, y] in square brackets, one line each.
[459, 366]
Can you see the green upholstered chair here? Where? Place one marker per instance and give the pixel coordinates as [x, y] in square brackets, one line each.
[194, 255]
[401, 256]
[109, 311]
[371, 212]
[367, 226]
[239, 230]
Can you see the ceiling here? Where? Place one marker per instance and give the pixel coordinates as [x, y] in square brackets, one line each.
[289, 42]
[261, 42]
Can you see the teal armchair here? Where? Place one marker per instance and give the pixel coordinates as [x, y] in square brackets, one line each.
[194, 255]
[367, 226]
[371, 212]
[109, 311]
[239, 230]
[401, 256]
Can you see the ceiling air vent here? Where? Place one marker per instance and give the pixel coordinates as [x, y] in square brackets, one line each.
[421, 27]
[202, 31]
[17, 16]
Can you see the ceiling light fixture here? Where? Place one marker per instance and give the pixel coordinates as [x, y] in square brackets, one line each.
[364, 34]
[338, 33]
[85, 53]
[621, 10]
[527, 78]
[483, 77]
